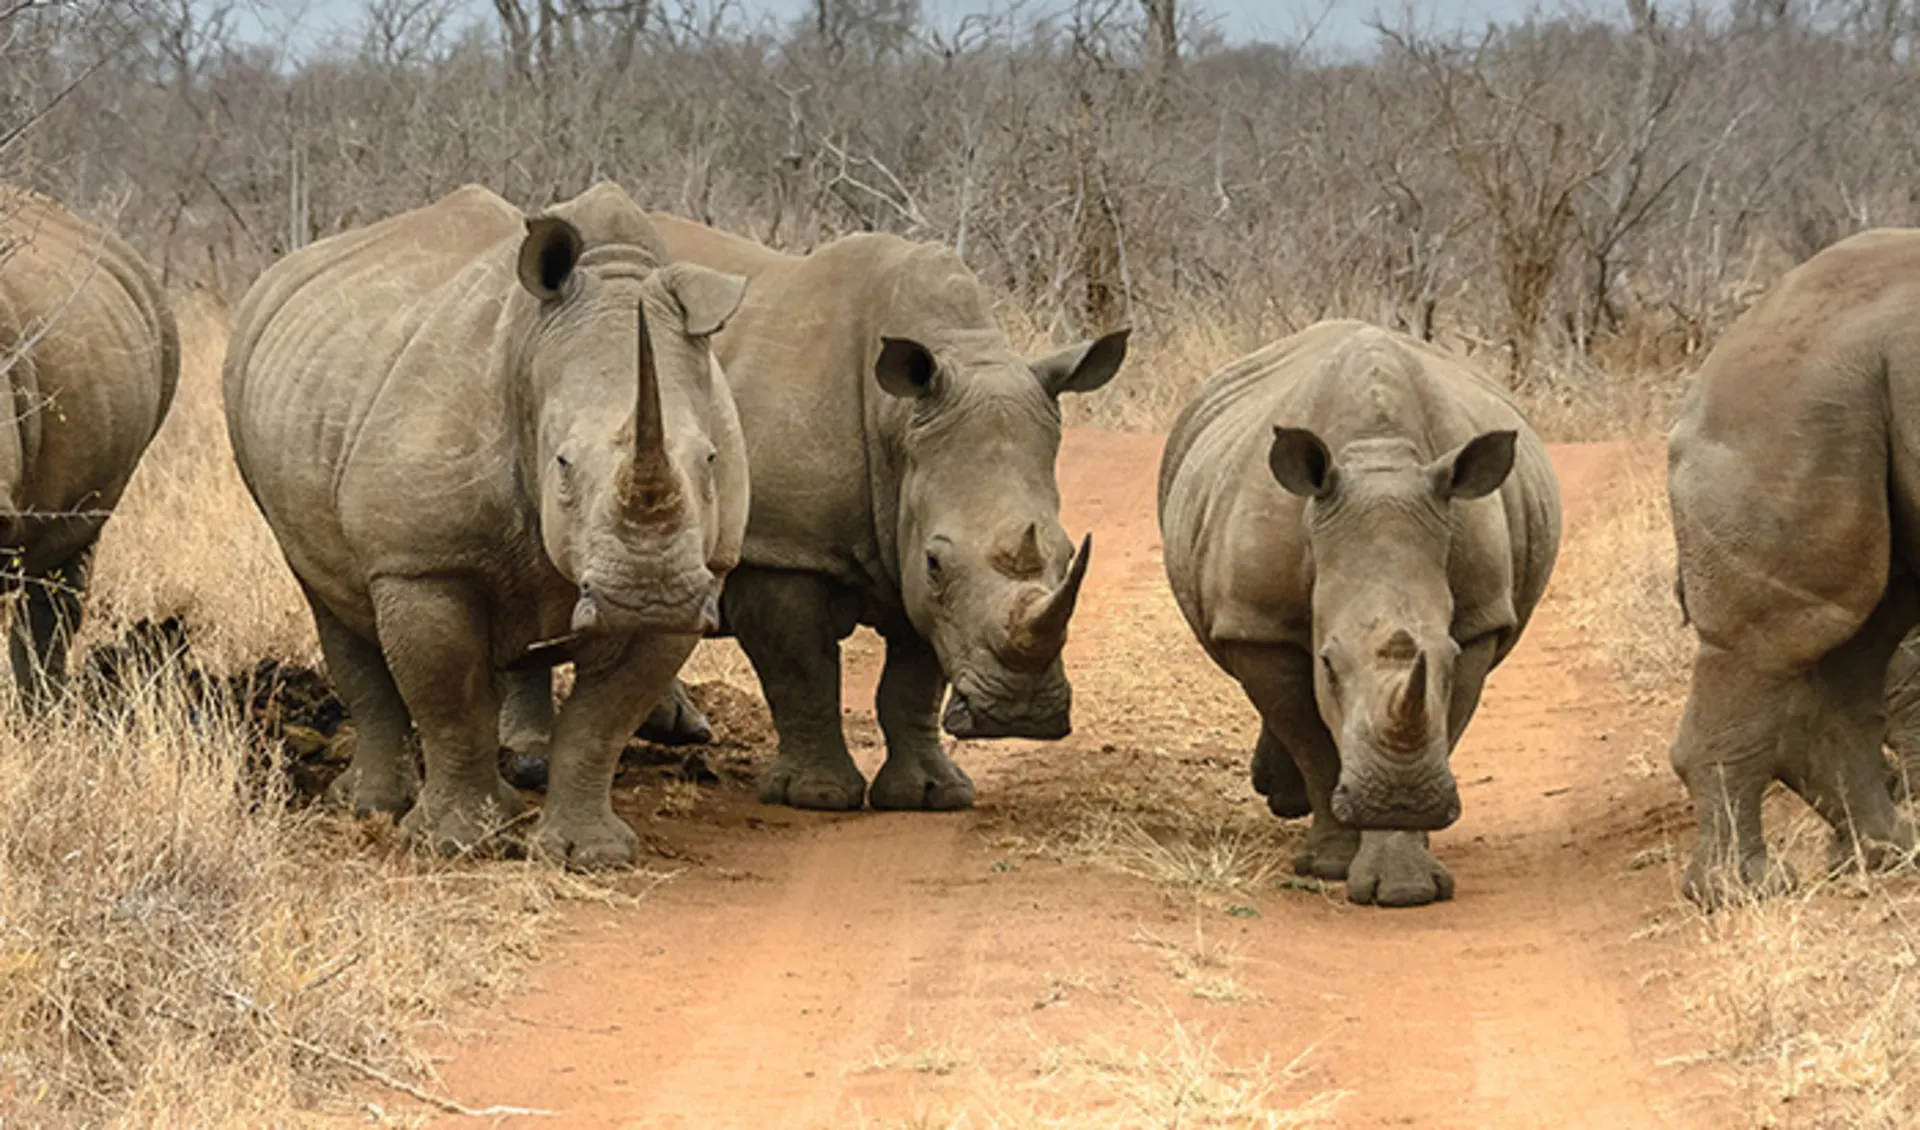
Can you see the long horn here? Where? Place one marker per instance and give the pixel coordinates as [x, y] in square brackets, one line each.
[1049, 620]
[1409, 722]
[649, 425]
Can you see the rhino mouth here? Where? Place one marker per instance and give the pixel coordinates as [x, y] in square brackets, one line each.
[600, 610]
[1423, 804]
[964, 718]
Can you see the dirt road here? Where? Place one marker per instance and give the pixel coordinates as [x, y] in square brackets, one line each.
[1076, 951]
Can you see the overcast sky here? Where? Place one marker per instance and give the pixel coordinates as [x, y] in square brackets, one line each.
[1336, 24]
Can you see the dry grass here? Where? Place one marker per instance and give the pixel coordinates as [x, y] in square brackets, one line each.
[1617, 577]
[1187, 1082]
[1166, 797]
[177, 946]
[1811, 1003]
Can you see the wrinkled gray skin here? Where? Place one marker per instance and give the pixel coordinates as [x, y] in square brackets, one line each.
[90, 358]
[1794, 478]
[903, 465]
[1903, 716]
[1357, 526]
[471, 432]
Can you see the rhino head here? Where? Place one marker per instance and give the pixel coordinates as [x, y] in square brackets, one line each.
[1379, 527]
[986, 572]
[631, 486]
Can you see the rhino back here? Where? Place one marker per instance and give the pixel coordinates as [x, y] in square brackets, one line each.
[95, 362]
[1796, 445]
[365, 396]
[1235, 541]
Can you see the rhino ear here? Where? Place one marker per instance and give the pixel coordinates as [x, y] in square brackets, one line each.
[1476, 468]
[905, 368]
[707, 298]
[1301, 462]
[548, 256]
[1083, 367]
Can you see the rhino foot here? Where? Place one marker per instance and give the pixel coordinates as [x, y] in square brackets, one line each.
[367, 796]
[595, 842]
[525, 769]
[1329, 851]
[676, 721]
[1845, 854]
[1276, 777]
[827, 788]
[930, 783]
[1712, 886]
[457, 825]
[1396, 869]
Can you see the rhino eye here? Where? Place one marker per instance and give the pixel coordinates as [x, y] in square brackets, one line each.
[564, 463]
[1326, 664]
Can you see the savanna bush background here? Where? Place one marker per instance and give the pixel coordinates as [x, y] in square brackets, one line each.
[1589, 193]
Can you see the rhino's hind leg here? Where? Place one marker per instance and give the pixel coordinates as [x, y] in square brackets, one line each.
[612, 692]
[44, 624]
[382, 776]
[1726, 753]
[784, 623]
[675, 720]
[1279, 682]
[1394, 868]
[1840, 769]
[918, 774]
[434, 635]
[1276, 777]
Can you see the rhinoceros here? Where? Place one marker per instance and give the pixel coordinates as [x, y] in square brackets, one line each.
[90, 357]
[1358, 526]
[902, 456]
[475, 432]
[1794, 478]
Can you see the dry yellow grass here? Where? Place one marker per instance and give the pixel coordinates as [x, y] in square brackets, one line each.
[177, 946]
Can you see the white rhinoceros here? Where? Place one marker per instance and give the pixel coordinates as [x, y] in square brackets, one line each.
[903, 459]
[1794, 477]
[90, 358]
[1358, 525]
[472, 431]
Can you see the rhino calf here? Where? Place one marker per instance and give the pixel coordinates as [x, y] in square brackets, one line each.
[473, 432]
[1794, 477]
[903, 465]
[1358, 526]
[90, 357]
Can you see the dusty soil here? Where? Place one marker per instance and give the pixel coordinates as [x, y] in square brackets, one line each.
[1010, 966]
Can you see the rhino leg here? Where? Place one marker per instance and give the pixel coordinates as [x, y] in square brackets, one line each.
[614, 687]
[1276, 777]
[526, 724]
[918, 774]
[1841, 770]
[436, 639]
[784, 623]
[382, 776]
[675, 720]
[44, 624]
[1279, 682]
[1726, 753]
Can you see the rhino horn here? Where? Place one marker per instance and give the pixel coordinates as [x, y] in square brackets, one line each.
[649, 425]
[1044, 630]
[1408, 717]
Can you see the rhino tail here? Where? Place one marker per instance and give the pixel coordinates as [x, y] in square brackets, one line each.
[1680, 595]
